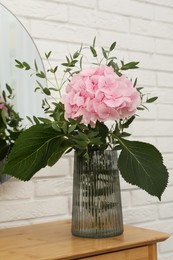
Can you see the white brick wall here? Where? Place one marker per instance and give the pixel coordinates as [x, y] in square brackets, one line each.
[143, 30]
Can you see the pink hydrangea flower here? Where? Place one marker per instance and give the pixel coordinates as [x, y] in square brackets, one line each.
[98, 93]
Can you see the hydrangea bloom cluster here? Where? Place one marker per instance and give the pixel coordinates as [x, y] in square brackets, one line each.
[98, 93]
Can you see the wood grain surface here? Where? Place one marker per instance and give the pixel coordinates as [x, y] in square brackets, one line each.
[50, 241]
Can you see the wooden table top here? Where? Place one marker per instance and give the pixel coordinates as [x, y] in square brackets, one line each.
[53, 240]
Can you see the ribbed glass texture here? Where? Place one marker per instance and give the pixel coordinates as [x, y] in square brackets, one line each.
[97, 210]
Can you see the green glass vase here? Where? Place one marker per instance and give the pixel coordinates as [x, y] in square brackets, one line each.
[96, 209]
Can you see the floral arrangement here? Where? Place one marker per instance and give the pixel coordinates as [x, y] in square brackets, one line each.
[10, 123]
[77, 119]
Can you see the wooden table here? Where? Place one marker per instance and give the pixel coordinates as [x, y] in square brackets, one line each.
[53, 240]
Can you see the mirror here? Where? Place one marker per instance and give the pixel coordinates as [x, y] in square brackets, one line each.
[16, 43]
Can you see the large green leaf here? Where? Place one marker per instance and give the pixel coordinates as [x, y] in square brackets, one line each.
[141, 164]
[32, 151]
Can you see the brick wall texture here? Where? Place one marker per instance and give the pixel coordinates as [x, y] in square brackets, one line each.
[143, 30]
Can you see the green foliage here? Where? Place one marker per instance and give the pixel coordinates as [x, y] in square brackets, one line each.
[93, 51]
[112, 47]
[130, 65]
[10, 122]
[151, 100]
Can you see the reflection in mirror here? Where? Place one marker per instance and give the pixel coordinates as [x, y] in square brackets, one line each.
[16, 43]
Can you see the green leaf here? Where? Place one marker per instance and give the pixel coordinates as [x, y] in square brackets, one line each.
[104, 53]
[56, 127]
[4, 96]
[73, 62]
[81, 136]
[115, 67]
[45, 120]
[103, 131]
[19, 64]
[135, 83]
[71, 128]
[78, 121]
[76, 55]
[39, 85]
[37, 88]
[93, 51]
[94, 42]
[93, 134]
[32, 150]
[64, 127]
[81, 59]
[26, 65]
[54, 89]
[9, 89]
[30, 120]
[50, 70]
[139, 89]
[112, 58]
[140, 108]
[112, 46]
[47, 55]
[130, 65]
[3, 116]
[55, 69]
[96, 140]
[67, 58]
[60, 150]
[72, 121]
[41, 74]
[81, 144]
[46, 91]
[36, 120]
[141, 164]
[151, 100]
[128, 122]
[65, 64]
[35, 65]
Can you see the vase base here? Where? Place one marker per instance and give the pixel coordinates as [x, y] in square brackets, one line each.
[97, 234]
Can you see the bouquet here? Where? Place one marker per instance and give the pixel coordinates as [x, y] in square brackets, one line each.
[79, 119]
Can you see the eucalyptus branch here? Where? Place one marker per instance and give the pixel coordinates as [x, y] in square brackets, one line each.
[54, 73]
